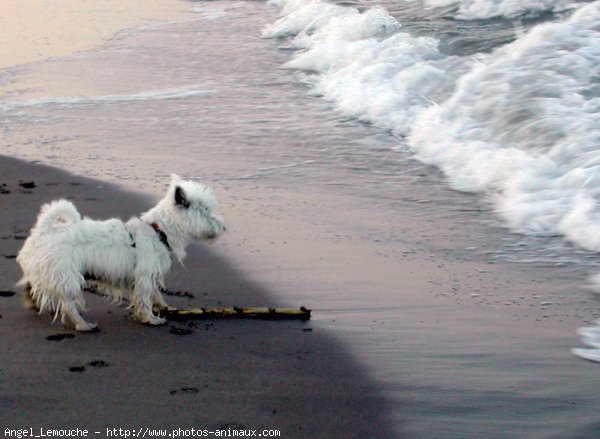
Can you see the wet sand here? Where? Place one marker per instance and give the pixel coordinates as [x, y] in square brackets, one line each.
[34, 30]
[210, 375]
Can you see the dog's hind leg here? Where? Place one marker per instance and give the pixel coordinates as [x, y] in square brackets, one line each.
[70, 300]
[69, 311]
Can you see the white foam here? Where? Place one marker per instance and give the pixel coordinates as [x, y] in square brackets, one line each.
[590, 336]
[210, 13]
[587, 354]
[218, 11]
[480, 9]
[303, 16]
[524, 127]
[521, 124]
[167, 94]
[368, 68]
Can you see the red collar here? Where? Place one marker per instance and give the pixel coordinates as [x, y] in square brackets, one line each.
[161, 235]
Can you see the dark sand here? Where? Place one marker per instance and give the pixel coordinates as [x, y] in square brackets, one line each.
[206, 375]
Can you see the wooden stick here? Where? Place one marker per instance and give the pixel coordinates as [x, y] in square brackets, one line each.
[235, 313]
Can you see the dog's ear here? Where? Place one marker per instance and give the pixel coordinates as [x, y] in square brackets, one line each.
[180, 198]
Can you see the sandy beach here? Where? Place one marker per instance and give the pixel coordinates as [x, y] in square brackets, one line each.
[34, 30]
[430, 319]
[251, 375]
[284, 377]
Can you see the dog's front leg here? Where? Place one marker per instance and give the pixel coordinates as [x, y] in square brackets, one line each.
[158, 300]
[144, 293]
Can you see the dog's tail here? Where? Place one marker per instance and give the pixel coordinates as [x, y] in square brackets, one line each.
[51, 215]
[56, 212]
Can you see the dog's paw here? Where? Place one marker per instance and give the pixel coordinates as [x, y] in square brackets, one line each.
[86, 327]
[29, 303]
[154, 320]
[160, 305]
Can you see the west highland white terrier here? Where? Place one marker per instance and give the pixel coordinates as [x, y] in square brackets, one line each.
[124, 260]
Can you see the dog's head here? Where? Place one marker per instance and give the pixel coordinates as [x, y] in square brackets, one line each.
[193, 204]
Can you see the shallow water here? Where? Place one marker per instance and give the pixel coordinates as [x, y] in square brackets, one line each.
[466, 326]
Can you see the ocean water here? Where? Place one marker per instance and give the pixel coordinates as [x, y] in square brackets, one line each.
[514, 117]
[517, 121]
[479, 119]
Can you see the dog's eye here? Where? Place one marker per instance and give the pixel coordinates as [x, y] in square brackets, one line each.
[202, 209]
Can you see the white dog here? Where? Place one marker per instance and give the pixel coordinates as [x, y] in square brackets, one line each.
[128, 259]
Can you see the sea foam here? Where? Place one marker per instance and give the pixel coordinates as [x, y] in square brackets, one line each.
[521, 124]
[71, 101]
[363, 62]
[524, 127]
[481, 9]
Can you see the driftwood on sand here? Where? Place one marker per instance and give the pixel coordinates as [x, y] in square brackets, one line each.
[235, 312]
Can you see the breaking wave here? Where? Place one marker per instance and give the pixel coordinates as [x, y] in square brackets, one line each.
[481, 9]
[520, 124]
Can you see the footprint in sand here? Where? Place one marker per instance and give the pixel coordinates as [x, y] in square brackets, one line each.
[59, 337]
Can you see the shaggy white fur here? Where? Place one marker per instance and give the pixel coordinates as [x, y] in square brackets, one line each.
[124, 260]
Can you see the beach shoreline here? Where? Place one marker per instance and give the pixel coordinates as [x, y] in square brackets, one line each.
[430, 320]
